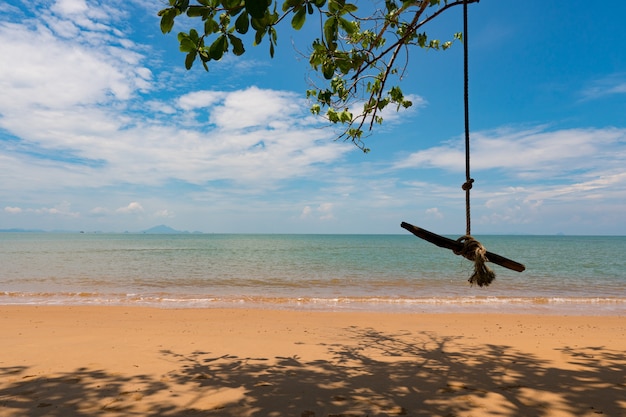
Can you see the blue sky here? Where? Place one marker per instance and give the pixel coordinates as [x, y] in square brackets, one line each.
[102, 128]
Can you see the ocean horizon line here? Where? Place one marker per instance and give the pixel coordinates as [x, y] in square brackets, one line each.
[197, 232]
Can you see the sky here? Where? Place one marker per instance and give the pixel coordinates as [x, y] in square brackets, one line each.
[103, 129]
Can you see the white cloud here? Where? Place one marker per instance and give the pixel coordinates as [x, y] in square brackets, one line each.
[61, 72]
[200, 99]
[606, 86]
[70, 7]
[160, 107]
[255, 107]
[527, 153]
[434, 212]
[587, 189]
[133, 207]
[323, 211]
[99, 211]
[164, 213]
[326, 211]
[306, 212]
[12, 210]
[8, 8]
[63, 209]
[75, 130]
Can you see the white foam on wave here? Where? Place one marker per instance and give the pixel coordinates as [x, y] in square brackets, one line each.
[502, 304]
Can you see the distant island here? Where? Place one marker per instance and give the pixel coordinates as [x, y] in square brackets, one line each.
[17, 230]
[163, 230]
[166, 230]
[156, 230]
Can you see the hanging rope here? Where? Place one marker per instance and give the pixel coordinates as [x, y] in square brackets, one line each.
[472, 249]
[468, 179]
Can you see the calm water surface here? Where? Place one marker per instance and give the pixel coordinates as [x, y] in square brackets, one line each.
[564, 274]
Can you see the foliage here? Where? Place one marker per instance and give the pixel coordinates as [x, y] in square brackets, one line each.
[357, 51]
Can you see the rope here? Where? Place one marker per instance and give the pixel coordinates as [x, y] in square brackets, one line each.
[468, 179]
[472, 249]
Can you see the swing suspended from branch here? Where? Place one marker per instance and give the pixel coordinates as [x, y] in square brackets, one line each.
[467, 246]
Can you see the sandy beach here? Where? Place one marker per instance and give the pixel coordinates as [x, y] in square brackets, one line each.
[135, 361]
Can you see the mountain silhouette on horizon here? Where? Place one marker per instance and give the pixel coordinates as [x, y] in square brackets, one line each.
[162, 229]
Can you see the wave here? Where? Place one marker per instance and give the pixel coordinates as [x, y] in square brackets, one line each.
[504, 304]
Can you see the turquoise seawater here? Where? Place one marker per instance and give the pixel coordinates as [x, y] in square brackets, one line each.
[564, 274]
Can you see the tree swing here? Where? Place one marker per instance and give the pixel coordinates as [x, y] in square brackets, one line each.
[466, 245]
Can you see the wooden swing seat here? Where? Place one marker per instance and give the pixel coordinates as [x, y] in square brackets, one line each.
[456, 246]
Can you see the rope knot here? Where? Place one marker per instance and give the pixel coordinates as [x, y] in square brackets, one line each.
[468, 184]
[474, 251]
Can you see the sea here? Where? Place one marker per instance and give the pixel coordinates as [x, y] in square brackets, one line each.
[569, 275]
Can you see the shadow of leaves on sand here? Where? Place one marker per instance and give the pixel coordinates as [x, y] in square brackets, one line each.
[370, 373]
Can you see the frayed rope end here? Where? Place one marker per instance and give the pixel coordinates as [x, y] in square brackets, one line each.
[476, 252]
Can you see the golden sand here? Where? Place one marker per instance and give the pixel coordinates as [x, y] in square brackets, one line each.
[135, 361]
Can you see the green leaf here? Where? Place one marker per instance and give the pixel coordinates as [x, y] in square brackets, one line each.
[218, 47]
[197, 11]
[204, 55]
[325, 97]
[187, 45]
[237, 44]
[328, 69]
[344, 65]
[211, 26]
[231, 4]
[330, 30]
[334, 6]
[273, 34]
[182, 5]
[396, 94]
[421, 39]
[258, 36]
[298, 19]
[242, 24]
[288, 4]
[349, 27]
[257, 8]
[349, 8]
[191, 56]
[167, 19]
[332, 115]
[258, 24]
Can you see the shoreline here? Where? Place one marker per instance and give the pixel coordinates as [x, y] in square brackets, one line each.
[123, 360]
[493, 304]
